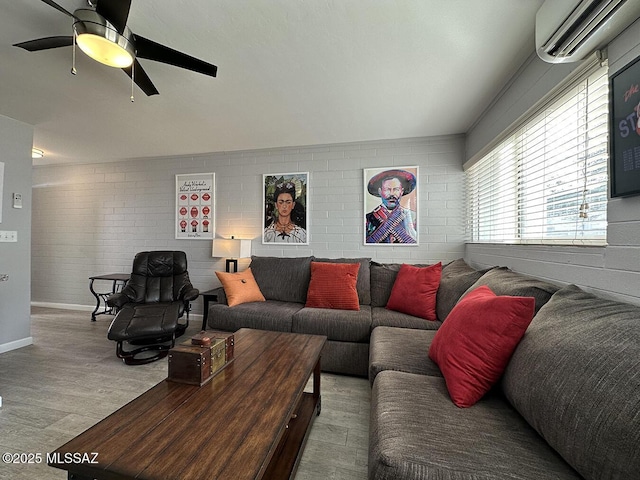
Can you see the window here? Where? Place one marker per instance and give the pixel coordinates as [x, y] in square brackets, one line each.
[546, 180]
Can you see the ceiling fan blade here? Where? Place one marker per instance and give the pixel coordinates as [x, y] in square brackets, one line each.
[53, 4]
[141, 78]
[116, 11]
[45, 43]
[151, 50]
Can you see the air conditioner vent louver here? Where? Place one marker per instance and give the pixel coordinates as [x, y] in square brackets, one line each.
[570, 30]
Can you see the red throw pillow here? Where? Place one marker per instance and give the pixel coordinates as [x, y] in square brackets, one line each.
[414, 291]
[333, 285]
[476, 341]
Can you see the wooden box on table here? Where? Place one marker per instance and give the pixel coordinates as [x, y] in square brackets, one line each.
[196, 364]
[229, 343]
[205, 338]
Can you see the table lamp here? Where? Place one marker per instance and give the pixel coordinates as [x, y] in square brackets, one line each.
[232, 249]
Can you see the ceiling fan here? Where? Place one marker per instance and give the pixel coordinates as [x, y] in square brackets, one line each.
[102, 34]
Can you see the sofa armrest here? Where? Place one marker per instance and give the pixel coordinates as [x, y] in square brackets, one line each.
[220, 296]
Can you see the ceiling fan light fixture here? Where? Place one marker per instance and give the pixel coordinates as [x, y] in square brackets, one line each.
[100, 40]
[104, 51]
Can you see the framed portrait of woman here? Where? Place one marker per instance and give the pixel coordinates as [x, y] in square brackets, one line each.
[285, 206]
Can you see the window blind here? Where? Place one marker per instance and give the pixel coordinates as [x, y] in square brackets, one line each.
[546, 181]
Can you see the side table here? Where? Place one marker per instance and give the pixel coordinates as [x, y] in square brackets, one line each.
[118, 280]
[208, 296]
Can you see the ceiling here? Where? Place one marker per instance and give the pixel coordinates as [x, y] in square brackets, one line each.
[290, 72]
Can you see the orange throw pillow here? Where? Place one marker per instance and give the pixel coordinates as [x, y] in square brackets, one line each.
[333, 285]
[240, 287]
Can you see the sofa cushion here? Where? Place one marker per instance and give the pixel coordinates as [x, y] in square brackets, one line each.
[270, 315]
[414, 291]
[363, 285]
[347, 358]
[282, 279]
[456, 278]
[401, 349]
[575, 378]
[473, 346]
[341, 325]
[503, 281]
[416, 433]
[381, 316]
[333, 285]
[240, 287]
[383, 276]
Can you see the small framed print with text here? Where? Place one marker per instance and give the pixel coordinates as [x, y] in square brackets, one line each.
[195, 206]
[624, 135]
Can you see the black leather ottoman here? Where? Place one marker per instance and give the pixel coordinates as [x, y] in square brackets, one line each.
[148, 326]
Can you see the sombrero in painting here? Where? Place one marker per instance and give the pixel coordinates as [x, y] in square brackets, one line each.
[407, 179]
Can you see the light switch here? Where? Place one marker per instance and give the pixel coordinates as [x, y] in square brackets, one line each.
[17, 200]
[8, 236]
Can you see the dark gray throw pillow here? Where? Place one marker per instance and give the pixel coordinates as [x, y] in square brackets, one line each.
[503, 281]
[575, 377]
[283, 279]
[456, 278]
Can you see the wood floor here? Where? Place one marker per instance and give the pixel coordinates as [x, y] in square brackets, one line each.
[70, 378]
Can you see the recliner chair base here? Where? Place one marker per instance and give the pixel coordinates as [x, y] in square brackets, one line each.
[157, 345]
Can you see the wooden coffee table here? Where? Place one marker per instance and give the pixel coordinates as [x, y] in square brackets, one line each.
[250, 421]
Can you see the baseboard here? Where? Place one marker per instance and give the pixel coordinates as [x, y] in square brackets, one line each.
[23, 342]
[89, 308]
[64, 306]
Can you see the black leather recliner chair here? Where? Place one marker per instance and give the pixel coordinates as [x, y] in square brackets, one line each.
[149, 306]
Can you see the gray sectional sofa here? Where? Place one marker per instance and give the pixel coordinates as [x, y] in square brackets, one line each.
[567, 406]
[284, 283]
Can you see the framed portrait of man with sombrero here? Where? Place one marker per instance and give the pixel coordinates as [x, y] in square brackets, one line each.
[391, 206]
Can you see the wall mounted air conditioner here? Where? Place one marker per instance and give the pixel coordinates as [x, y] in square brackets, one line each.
[570, 30]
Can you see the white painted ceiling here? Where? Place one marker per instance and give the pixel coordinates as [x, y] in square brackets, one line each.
[290, 72]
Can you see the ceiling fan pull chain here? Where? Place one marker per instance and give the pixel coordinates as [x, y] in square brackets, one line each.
[132, 75]
[73, 58]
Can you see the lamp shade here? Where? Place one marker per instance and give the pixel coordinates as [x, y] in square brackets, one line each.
[231, 248]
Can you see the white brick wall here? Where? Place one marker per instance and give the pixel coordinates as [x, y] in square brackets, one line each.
[92, 219]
